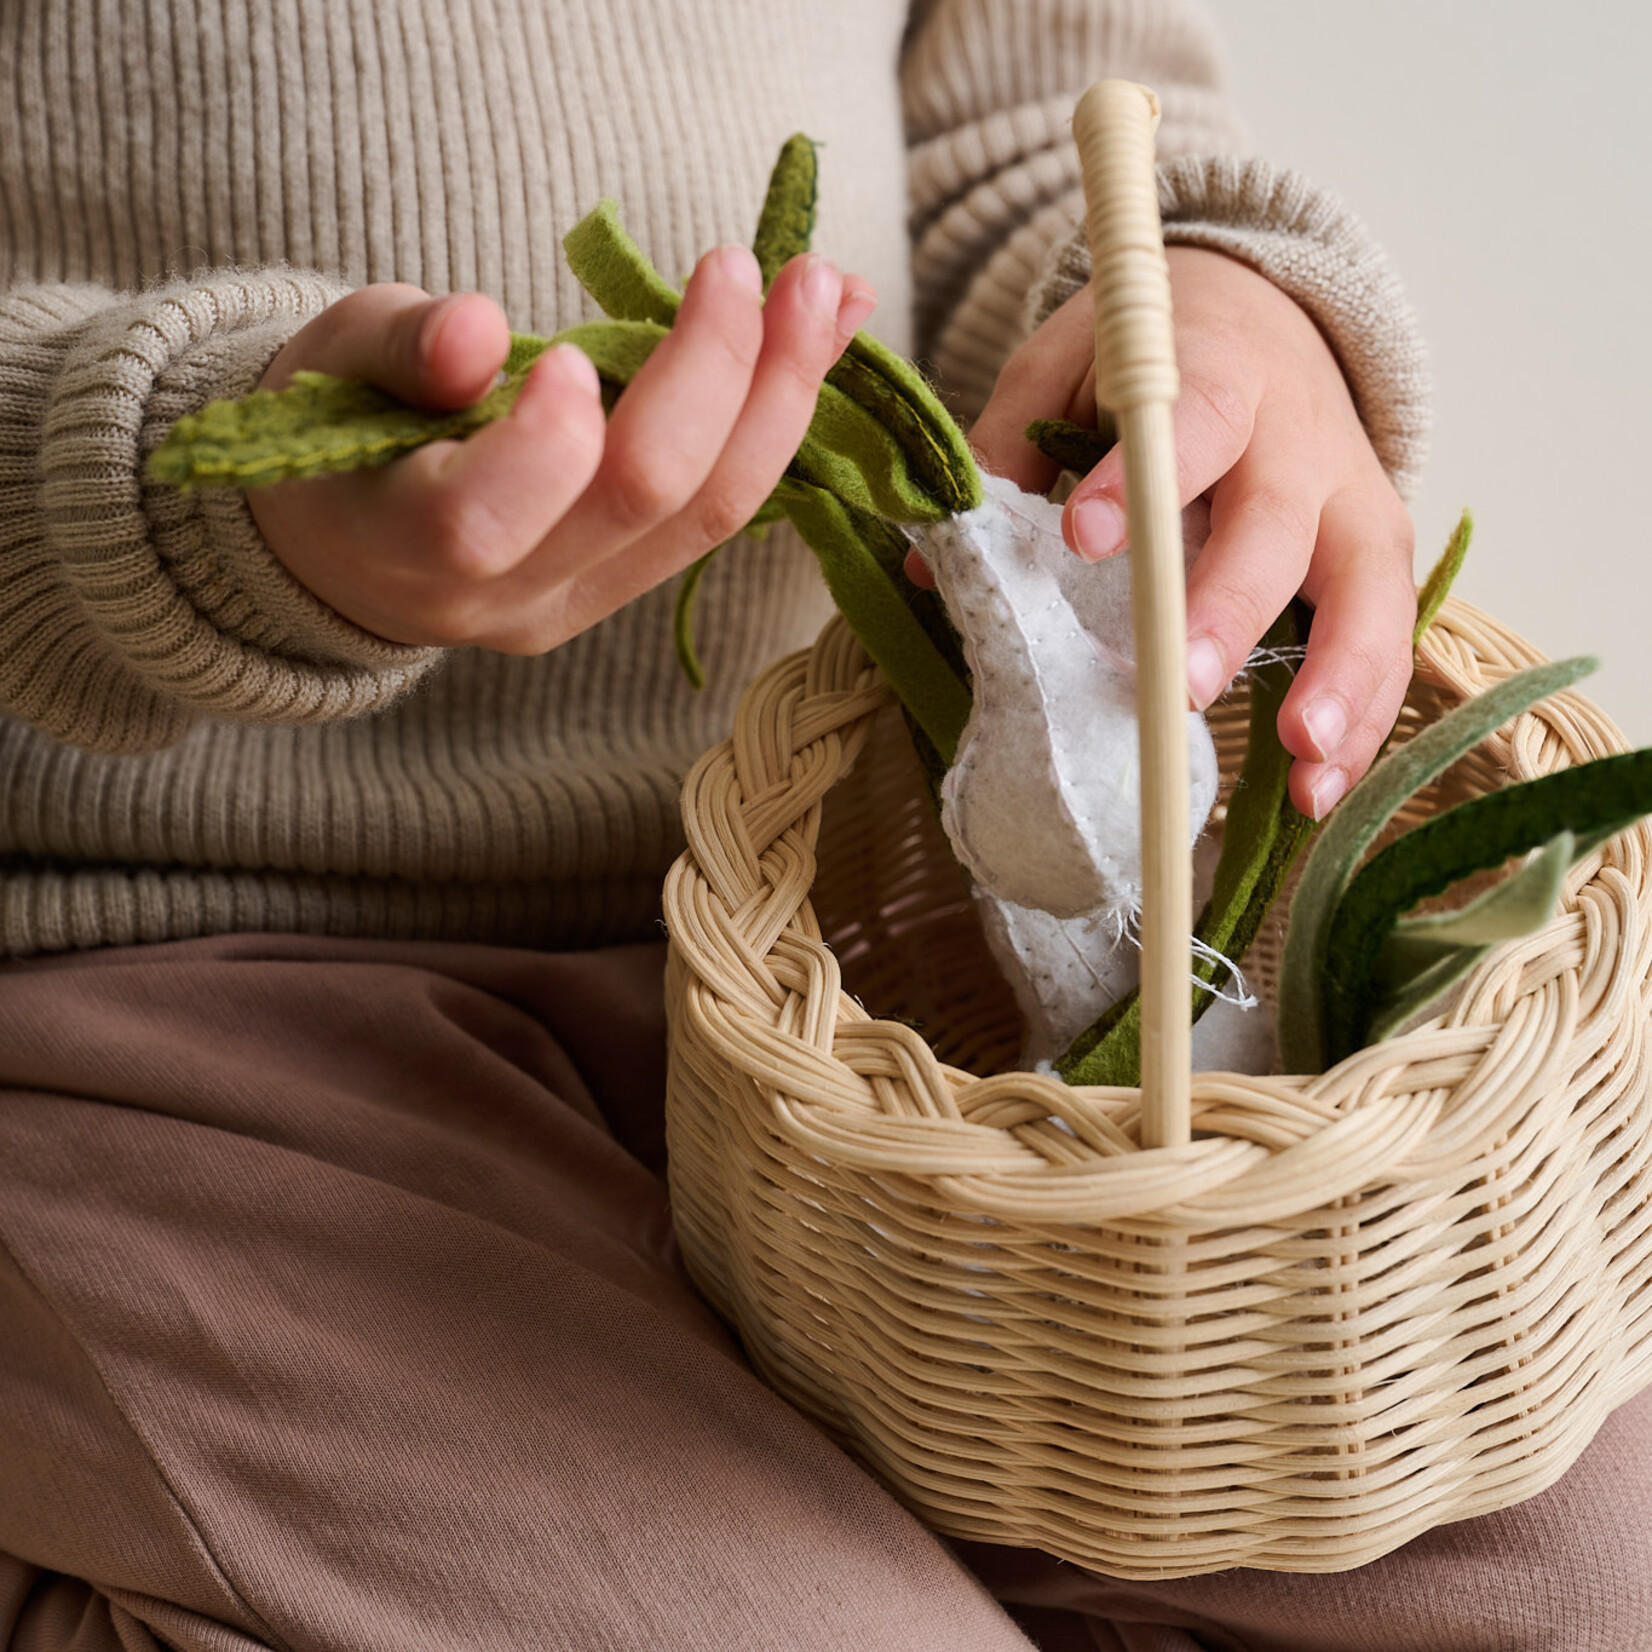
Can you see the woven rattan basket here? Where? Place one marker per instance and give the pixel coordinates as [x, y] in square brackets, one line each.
[1351, 1307]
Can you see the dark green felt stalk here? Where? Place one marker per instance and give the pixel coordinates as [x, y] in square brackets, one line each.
[1074, 447]
[878, 611]
[682, 620]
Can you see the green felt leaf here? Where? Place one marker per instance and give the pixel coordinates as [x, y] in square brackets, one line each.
[525, 350]
[1443, 575]
[613, 269]
[1074, 447]
[682, 620]
[1520, 904]
[1422, 957]
[856, 550]
[317, 424]
[1354, 825]
[1260, 842]
[321, 424]
[882, 440]
[1602, 796]
[787, 221]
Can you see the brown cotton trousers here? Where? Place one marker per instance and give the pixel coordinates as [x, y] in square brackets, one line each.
[339, 1309]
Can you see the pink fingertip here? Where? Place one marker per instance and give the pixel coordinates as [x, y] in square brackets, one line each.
[1098, 528]
[1326, 722]
[822, 287]
[576, 368]
[739, 264]
[859, 301]
[1206, 676]
[1326, 791]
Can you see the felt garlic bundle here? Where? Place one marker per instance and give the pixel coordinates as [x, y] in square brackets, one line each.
[1043, 802]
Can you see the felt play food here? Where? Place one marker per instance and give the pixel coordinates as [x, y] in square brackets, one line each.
[1043, 801]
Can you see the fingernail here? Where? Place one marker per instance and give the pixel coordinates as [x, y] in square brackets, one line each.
[430, 328]
[1326, 791]
[739, 263]
[858, 302]
[1098, 528]
[1326, 723]
[1206, 676]
[822, 287]
[576, 367]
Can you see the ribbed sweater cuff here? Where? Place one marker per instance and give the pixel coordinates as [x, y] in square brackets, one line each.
[1309, 245]
[145, 609]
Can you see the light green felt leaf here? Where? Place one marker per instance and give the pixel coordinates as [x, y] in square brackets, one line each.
[1422, 957]
[1592, 798]
[1521, 904]
[1260, 843]
[1443, 575]
[1352, 828]
[787, 221]
[321, 424]
[613, 269]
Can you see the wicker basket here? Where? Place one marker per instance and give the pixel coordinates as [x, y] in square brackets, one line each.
[1352, 1307]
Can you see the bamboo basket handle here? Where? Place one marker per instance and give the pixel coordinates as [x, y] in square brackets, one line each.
[1136, 381]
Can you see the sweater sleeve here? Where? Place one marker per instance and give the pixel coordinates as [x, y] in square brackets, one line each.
[999, 206]
[128, 610]
[989, 88]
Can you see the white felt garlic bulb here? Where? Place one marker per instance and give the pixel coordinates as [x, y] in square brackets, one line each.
[1043, 804]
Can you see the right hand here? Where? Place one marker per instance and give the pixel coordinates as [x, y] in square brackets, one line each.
[552, 517]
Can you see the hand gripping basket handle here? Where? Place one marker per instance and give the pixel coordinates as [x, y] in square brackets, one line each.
[1136, 381]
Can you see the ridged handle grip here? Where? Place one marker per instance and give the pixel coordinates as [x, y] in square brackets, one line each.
[1136, 381]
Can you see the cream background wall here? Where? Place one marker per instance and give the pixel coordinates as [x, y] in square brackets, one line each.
[1503, 153]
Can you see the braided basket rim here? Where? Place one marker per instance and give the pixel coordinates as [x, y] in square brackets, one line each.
[1317, 1115]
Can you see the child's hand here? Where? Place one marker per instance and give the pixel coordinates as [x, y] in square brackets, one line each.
[1299, 502]
[551, 518]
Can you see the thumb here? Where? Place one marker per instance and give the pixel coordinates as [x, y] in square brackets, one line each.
[430, 352]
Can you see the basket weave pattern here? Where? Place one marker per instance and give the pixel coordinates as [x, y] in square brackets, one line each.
[1355, 1306]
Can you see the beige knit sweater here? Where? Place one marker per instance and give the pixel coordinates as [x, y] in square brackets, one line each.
[191, 743]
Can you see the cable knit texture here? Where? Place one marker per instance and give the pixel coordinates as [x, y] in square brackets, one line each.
[193, 744]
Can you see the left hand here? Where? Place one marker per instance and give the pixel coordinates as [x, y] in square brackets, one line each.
[1299, 503]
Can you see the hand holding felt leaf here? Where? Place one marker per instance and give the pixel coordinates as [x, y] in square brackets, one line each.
[553, 515]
